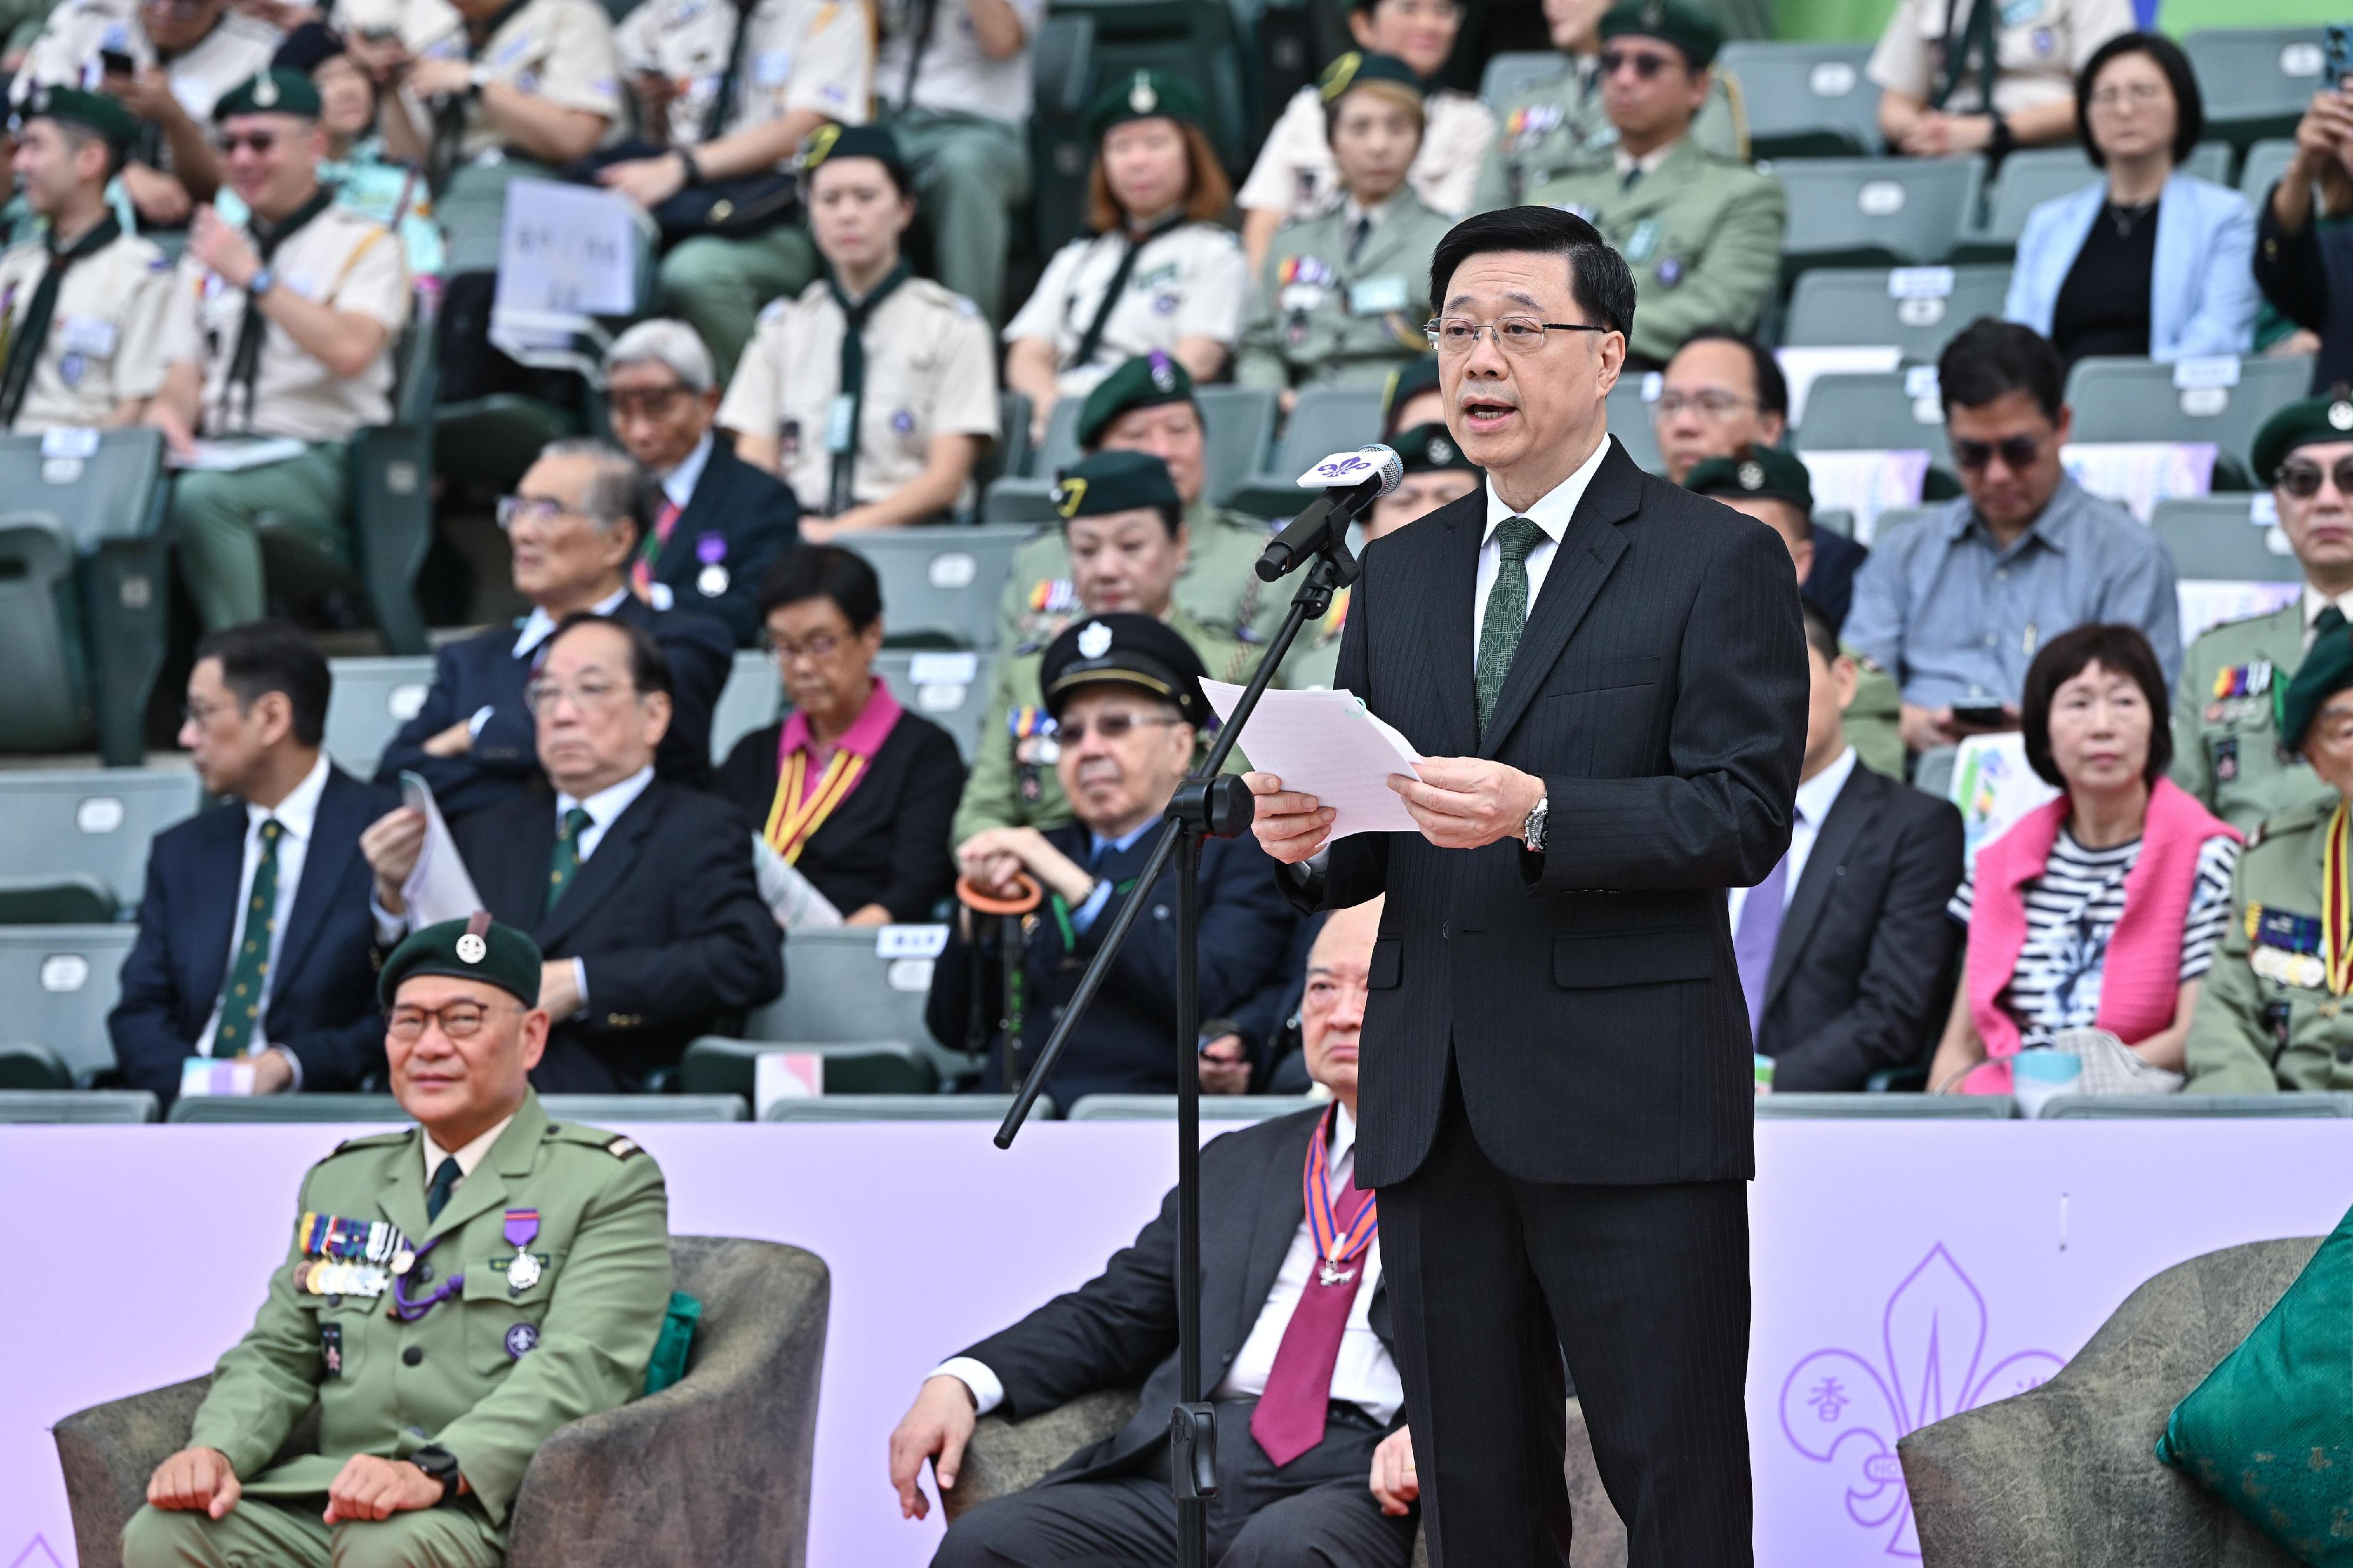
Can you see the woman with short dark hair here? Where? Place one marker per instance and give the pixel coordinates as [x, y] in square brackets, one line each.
[2102, 909]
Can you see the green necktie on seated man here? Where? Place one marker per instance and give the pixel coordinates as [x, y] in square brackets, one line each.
[241, 993]
[566, 861]
[1508, 611]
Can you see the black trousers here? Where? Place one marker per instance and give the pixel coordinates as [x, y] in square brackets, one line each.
[1643, 1289]
[1315, 1512]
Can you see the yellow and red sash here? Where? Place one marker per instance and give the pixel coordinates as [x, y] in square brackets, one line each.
[798, 812]
[2336, 907]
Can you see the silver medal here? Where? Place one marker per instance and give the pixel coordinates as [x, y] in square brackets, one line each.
[523, 1272]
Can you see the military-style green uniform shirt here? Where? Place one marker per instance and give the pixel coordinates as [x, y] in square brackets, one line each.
[1219, 588]
[1558, 127]
[2225, 747]
[2266, 1019]
[1702, 234]
[1323, 318]
[1874, 719]
[500, 1360]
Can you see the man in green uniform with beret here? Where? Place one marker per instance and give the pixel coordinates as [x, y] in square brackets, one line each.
[1124, 526]
[1701, 233]
[2226, 749]
[453, 1295]
[1146, 406]
[1773, 487]
[2275, 1013]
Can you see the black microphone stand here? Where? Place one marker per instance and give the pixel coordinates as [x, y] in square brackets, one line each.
[1211, 804]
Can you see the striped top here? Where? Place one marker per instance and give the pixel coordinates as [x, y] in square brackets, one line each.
[2072, 911]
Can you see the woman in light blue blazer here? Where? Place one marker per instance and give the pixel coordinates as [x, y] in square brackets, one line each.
[2152, 260]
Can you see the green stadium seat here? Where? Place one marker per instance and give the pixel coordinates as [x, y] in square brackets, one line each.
[1010, 453]
[596, 1109]
[1916, 309]
[212, 1110]
[2266, 160]
[940, 585]
[89, 1105]
[1886, 212]
[988, 1108]
[839, 988]
[1197, 41]
[2256, 81]
[1888, 411]
[2140, 400]
[1933, 774]
[1324, 420]
[714, 1065]
[45, 704]
[2223, 539]
[1805, 99]
[1510, 74]
[1061, 64]
[487, 442]
[1880, 1106]
[949, 686]
[1018, 501]
[1163, 1107]
[752, 699]
[55, 901]
[60, 982]
[1629, 420]
[1237, 428]
[65, 823]
[24, 1066]
[373, 698]
[2117, 1107]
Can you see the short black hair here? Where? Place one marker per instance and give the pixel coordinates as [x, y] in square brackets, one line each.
[261, 656]
[1772, 386]
[824, 572]
[1821, 636]
[1991, 358]
[1599, 279]
[649, 665]
[2189, 104]
[79, 136]
[2115, 648]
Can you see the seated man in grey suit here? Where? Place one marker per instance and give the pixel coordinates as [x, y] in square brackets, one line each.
[1312, 1464]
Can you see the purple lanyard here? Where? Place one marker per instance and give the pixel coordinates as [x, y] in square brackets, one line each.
[408, 1311]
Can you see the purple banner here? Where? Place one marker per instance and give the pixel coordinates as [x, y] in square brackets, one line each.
[1903, 1271]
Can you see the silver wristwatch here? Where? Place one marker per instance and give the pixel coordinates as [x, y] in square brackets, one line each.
[1532, 831]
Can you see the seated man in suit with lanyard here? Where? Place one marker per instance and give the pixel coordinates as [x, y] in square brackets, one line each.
[1312, 1466]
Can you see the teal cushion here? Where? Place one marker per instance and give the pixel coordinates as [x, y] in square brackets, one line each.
[2271, 1430]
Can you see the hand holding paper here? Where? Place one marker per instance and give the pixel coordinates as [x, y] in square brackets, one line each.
[1326, 744]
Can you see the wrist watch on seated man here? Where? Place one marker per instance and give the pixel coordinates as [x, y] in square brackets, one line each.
[441, 1465]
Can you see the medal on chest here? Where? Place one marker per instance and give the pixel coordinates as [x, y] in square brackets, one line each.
[521, 1226]
[1342, 1224]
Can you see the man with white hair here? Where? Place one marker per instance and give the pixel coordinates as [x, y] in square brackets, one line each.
[720, 520]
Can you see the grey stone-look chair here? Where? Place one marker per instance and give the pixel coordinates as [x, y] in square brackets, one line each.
[2067, 1473]
[714, 1468]
[1007, 1457]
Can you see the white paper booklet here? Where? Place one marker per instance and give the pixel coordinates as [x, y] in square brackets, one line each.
[1328, 745]
[440, 888]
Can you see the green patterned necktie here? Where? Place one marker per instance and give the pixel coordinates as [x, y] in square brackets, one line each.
[240, 998]
[1508, 611]
[566, 861]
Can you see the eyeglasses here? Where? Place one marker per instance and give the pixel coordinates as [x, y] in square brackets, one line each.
[261, 141]
[2302, 480]
[1712, 405]
[539, 510]
[2017, 452]
[648, 403]
[1423, 10]
[459, 1020]
[590, 691]
[1520, 334]
[1112, 726]
[202, 714]
[1646, 64]
[2140, 94]
[817, 649]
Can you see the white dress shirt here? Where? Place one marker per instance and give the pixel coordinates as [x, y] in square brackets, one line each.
[468, 1157]
[1552, 513]
[539, 626]
[1815, 798]
[1364, 1376]
[297, 815]
[2315, 601]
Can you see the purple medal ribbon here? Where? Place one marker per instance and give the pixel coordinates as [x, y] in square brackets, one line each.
[710, 549]
[521, 1225]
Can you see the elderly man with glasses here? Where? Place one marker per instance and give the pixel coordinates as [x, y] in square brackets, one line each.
[1955, 605]
[575, 524]
[641, 894]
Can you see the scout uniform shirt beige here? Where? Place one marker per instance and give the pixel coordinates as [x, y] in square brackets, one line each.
[561, 50]
[955, 74]
[2039, 46]
[1295, 175]
[1191, 281]
[1322, 317]
[2225, 746]
[106, 339]
[423, 26]
[811, 55]
[339, 259]
[65, 53]
[930, 369]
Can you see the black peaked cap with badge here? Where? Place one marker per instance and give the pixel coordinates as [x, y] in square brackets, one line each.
[271, 92]
[1102, 483]
[1147, 380]
[2301, 424]
[1766, 472]
[1432, 448]
[832, 141]
[475, 949]
[1669, 21]
[1144, 95]
[1355, 68]
[1127, 649]
[94, 111]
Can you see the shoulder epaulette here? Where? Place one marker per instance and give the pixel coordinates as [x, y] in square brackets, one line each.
[371, 1141]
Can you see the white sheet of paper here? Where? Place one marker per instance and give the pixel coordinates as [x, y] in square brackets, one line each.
[785, 1075]
[440, 888]
[1330, 746]
[568, 250]
[792, 898]
[232, 457]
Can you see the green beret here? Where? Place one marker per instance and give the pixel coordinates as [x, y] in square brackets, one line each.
[1669, 21]
[2326, 671]
[1147, 380]
[1355, 68]
[95, 110]
[1131, 649]
[2329, 418]
[1411, 379]
[271, 92]
[1145, 95]
[831, 141]
[1102, 483]
[1427, 448]
[476, 948]
[1766, 472]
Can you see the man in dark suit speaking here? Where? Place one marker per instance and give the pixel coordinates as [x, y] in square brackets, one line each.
[1608, 677]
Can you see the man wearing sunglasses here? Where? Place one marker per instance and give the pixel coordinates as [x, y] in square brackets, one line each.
[1955, 605]
[2226, 744]
[1703, 234]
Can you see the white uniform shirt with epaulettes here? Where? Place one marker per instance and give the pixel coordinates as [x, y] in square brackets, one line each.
[930, 369]
[1295, 174]
[106, 338]
[1191, 281]
[560, 50]
[338, 260]
[811, 55]
[2039, 46]
[955, 74]
[65, 53]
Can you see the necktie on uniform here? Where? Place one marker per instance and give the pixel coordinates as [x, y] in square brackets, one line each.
[1760, 928]
[641, 574]
[241, 993]
[446, 1177]
[1508, 611]
[566, 861]
[2330, 619]
[1290, 1417]
[32, 329]
[1358, 232]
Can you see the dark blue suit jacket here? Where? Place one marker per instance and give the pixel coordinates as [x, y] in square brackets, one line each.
[1830, 584]
[323, 1004]
[483, 672]
[739, 519]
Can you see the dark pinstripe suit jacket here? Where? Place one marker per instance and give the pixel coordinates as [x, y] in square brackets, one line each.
[1588, 995]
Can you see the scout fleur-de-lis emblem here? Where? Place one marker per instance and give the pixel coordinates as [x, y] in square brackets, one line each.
[265, 92]
[1440, 449]
[1141, 98]
[1752, 475]
[2340, 415]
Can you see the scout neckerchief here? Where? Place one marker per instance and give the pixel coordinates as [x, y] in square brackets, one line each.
[449, 113]
[722, 103]
[2336, 907]
[849, 397]
[245, 363]
[1092, 339]
[803, 804]
[1977, 37]
[33, 329]
[918, 38]
[1340, 1239]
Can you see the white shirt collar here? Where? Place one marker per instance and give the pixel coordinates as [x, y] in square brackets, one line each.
[1819, 794]
[1352, 209]
[2315, 601]
[680, 483]
[1648, 162]
[1556, 507]
[299, 812]
[1343, 1140]
[608, 803]
[468, 1157]
[538, 625]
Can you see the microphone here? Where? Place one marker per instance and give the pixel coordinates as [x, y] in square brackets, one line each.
[1351, 482]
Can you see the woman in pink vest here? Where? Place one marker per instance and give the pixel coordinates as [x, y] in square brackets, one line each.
[2102, 909]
